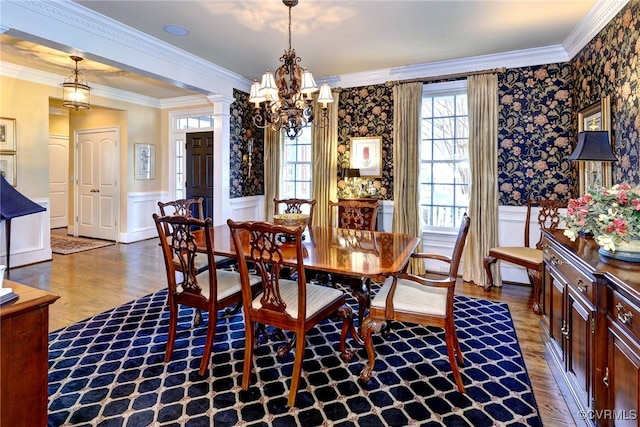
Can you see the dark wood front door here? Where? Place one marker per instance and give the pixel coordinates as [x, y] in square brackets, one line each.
[199, 173]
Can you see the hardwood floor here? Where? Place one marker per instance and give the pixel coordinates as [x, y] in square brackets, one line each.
[94, 281]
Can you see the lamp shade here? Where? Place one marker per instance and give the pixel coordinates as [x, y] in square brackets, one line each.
[593, 146]
[350, 173]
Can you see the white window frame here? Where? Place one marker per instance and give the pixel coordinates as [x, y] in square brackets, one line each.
[307, 134]
[181, 135]
[437, 89]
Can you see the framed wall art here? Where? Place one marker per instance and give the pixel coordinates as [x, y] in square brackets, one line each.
[596, 117]
[145, 161]
[8, 167]
[8, 141]
[366, 155]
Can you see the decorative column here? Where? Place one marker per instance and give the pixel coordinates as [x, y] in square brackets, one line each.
[221, 153]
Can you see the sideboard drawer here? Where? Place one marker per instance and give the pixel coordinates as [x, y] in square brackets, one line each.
[577, 279]
[623, 312]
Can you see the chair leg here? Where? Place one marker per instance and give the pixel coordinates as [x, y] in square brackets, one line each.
[173, 326]
[208, 342]
[488, 260]
[535, 277]
[297, 369]
[248, 354]
[346, 314]
[451, 339]
[368, 327]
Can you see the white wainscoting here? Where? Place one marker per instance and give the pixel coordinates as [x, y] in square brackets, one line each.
[247, 209]
[30, 238]
[140, 210]
[511, 222]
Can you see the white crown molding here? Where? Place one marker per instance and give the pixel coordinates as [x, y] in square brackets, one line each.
[598, 16]
[66, 23]
[54, 80]
[183, 101]
[515, 59]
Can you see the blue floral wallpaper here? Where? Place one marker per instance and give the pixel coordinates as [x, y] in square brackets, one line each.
[610, 65]
[537, 119]
[367, 111]
[242, 183]
[534, 129]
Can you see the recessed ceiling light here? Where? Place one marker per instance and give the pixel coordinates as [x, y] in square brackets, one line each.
[176, 30]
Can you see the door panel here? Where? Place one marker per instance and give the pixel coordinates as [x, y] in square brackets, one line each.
[98, 169]
[199, 173]
[59, 181]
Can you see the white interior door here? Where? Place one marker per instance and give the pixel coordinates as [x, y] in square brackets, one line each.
[59, 180]
[98, 166]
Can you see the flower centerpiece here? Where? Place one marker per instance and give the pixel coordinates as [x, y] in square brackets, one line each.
[611, 215]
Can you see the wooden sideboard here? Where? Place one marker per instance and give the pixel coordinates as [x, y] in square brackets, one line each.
[591, 323]
[24, 347]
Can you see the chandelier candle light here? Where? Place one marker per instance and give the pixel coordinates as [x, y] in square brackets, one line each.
[75, 90]
[283, 101]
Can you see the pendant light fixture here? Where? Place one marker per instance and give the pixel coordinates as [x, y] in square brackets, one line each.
[75, 90]
[283, 102]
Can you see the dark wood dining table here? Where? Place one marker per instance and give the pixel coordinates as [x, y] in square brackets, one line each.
[353, 253]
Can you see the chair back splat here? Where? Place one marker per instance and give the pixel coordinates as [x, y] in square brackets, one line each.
[410, 298]
[295, 206]
[548, 217]
[290, 305]
[354, 214]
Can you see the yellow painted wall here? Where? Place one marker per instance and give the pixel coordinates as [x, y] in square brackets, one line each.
[29, 104]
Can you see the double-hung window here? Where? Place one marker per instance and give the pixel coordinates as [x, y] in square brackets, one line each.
[445, 176]
[296, 167]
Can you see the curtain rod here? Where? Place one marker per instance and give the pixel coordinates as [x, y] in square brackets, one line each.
[451, 76]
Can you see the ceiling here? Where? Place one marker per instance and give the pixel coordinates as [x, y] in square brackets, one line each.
[331, 37]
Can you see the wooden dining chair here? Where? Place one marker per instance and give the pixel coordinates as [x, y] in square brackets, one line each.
[210, 290]
[354, 214]
[414, 299]
[525, 256]
[294, 306]
[295, 206]
[191, 208]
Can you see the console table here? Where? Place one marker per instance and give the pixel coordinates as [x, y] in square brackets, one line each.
[24, 347]
[591, 324]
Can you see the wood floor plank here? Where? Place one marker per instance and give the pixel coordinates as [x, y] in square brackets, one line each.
[100, 279]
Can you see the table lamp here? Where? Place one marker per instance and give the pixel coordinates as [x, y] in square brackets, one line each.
[594, 146]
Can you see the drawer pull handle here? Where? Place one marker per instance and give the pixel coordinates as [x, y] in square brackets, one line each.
[565, 330]
[545, 248]
[581, 286]
[624, 318]
[605, 380]
[555, 261]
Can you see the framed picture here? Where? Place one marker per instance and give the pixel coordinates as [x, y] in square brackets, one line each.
[8, 167]
[366, 155]
[595, 117]
[145, 161]
[8, 135]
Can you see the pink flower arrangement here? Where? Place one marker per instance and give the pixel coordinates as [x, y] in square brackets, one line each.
[611, 215]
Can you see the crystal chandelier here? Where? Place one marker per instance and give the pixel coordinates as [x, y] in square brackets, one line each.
[75, 90]
[284, 101]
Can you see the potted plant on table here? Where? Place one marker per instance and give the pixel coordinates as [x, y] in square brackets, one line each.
[612, 216]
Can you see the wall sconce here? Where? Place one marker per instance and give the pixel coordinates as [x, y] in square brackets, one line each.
[75, 90]
[247, 157]
[594, 146]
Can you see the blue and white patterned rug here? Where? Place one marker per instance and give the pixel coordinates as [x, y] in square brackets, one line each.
[109, 371]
